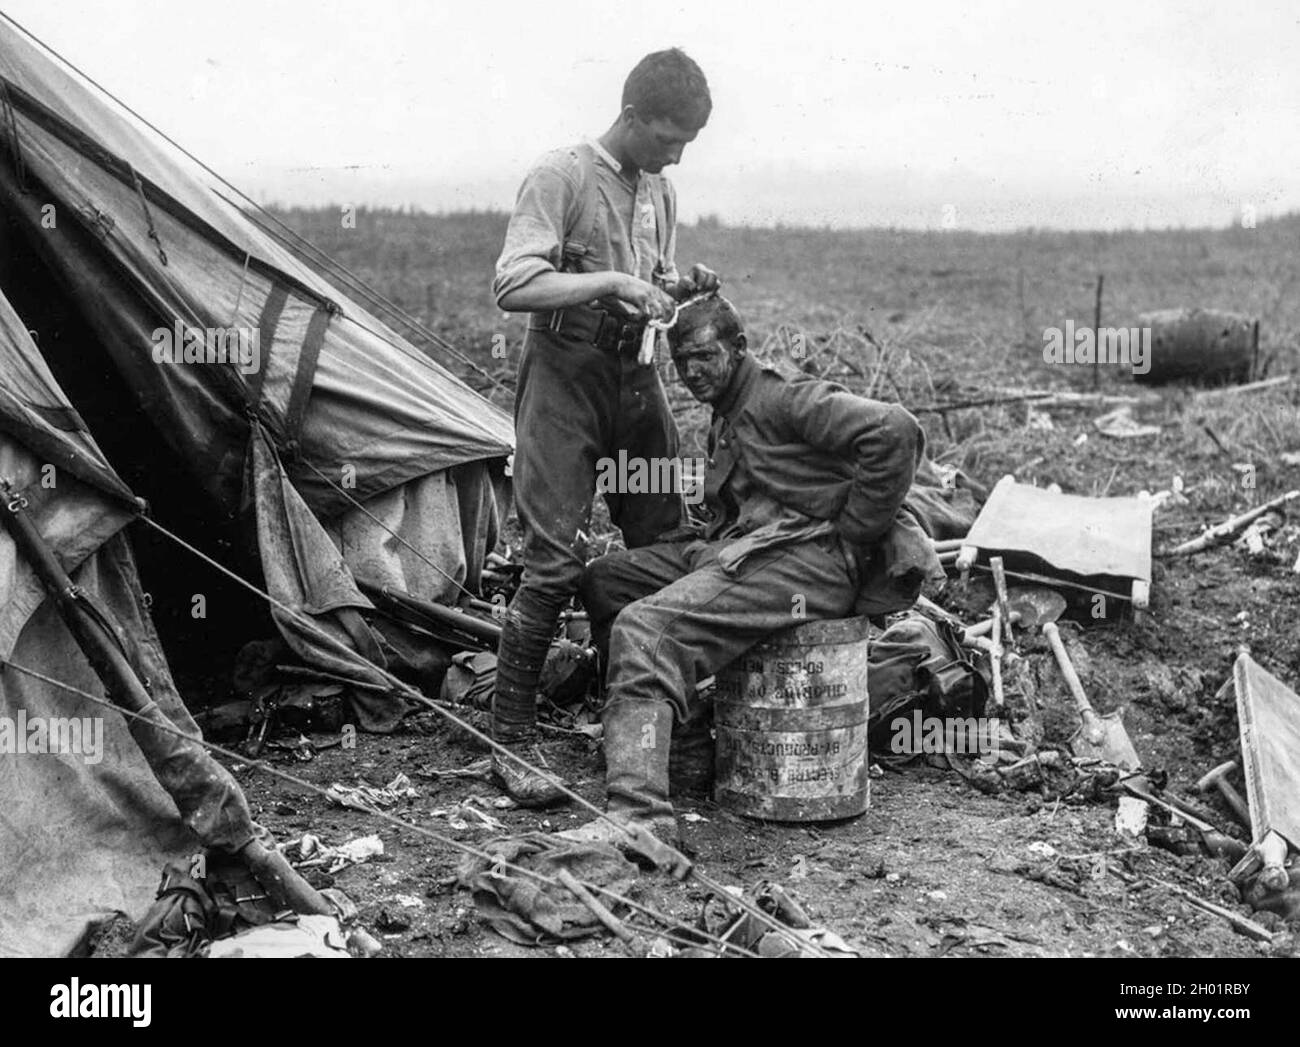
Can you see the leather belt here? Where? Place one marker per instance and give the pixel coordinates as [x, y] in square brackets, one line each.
[595, 326]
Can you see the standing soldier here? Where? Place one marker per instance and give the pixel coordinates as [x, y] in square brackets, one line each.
[589, 254]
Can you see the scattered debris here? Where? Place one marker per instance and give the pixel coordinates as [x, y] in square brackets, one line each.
[1239, 923]
[1253, 537]
[1120, 424]
[723, 919]
[1131, 816]
[315, 936]
[480, 769]
[1170, 498]
[460, 816]
[368, 798]
[312, 852]
[1222, 532]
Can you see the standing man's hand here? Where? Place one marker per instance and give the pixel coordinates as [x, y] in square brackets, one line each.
[645, 299]
[699, 280]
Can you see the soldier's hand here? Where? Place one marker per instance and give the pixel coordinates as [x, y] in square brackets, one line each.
[646, 299]
[699, 280]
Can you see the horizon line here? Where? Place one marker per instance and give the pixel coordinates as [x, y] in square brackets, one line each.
[715, 221]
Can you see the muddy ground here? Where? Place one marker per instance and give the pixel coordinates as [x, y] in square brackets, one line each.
[935, 867]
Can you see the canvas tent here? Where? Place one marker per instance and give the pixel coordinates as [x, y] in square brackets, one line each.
[344, 456]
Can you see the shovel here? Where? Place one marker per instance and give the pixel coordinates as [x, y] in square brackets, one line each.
[1030, 606]
[1098, 736]
[1033, 606]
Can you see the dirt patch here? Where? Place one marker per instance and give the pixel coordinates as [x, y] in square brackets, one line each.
[935, 867]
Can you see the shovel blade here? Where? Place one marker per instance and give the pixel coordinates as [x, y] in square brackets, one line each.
[1035, 604]
[1104, 737]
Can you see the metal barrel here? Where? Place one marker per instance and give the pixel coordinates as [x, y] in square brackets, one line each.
[1208, 346]
[791, 721]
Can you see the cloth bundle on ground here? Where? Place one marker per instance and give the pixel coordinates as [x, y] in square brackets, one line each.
[918, 662]
[529, 911]
[200, 899]
[945, 500]
[566, 675]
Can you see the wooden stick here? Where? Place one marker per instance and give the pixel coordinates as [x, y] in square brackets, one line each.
[1046, 398]
[1096, 333]
[612, 922]
[1248, 387]
[931, 609]
[1231, 526]
[1247, 927]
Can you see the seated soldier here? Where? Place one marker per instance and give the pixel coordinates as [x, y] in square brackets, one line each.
[804, 488]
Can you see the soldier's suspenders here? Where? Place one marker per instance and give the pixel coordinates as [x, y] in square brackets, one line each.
[577, 242]
[664, 221]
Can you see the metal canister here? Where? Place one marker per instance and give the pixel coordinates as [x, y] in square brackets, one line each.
[791, 722]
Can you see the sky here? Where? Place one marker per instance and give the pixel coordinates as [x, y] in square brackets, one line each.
[924, 114]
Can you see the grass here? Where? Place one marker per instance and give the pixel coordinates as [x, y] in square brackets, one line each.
[925, 318]
[918, 317]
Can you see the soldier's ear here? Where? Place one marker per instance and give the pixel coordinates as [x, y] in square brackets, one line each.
[740, 343]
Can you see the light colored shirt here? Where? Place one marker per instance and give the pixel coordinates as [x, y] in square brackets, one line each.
[548, 211]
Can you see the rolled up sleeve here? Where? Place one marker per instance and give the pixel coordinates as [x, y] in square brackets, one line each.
[535, 236]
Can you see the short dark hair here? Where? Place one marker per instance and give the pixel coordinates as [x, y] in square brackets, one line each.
[714, 311]
[669, 84]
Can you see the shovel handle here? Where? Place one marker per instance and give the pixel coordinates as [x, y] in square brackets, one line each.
[1000, 588]
[1081, 702]
[995, 659]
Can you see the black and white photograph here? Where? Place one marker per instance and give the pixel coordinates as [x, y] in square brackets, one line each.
[606, 481]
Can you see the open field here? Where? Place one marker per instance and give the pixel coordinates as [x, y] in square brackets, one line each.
[935, 867]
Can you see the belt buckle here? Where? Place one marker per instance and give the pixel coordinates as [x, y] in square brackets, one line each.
[629, 336]
[608, 331]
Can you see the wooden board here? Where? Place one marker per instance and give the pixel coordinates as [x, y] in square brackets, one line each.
[1268, 714]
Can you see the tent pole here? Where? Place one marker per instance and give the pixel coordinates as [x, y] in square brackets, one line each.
[210, 801]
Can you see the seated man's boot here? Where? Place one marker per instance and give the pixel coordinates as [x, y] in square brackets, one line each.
[637, 740]
[514, 716]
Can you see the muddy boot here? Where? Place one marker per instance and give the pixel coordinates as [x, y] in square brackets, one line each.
[520, 657]
[691, 765]
[637, 741]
